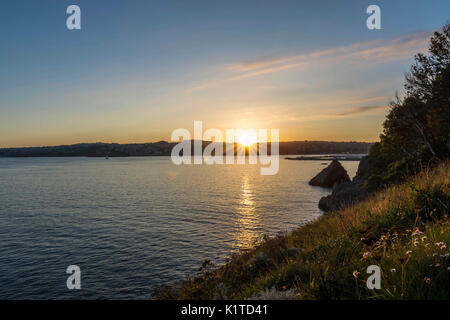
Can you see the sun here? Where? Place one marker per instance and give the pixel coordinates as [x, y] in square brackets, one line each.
[246, 138]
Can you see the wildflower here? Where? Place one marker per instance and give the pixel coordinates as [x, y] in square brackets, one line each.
[393, 270]
[427, 280]
[408, 252]
[435, 254]
[448, 268]
[445, 255]
[424, 238]
[437, 265]
[366, 254]
[440, 244]
[356, 274]
[417, 232]
[416, 243]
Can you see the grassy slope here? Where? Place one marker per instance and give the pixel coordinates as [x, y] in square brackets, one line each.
[403, 229]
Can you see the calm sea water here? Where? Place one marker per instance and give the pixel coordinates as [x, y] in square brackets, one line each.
[134, 223]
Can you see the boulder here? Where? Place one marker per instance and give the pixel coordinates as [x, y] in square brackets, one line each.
[343, 195]
[346, 193]
[331, 175]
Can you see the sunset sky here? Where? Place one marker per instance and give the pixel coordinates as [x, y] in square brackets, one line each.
[140, 69]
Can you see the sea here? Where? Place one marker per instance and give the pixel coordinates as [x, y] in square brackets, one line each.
[132, 224]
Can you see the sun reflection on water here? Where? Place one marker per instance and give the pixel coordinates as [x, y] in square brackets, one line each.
[246, 231]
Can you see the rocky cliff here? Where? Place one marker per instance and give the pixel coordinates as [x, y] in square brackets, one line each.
[347, 192]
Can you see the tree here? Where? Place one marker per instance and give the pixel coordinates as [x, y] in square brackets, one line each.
[416, 132]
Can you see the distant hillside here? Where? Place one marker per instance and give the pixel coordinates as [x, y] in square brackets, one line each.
[163, 148]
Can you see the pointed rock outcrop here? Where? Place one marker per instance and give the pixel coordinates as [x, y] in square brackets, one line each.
[331, 175]
[347, 193]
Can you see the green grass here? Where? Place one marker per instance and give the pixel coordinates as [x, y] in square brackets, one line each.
[403, 229]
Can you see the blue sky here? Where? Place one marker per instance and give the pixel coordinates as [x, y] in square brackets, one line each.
[139, 69]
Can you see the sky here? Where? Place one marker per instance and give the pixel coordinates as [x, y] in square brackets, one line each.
[137, 70]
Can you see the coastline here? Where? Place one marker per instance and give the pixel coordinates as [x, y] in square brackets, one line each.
[326, 259]
[164, 148]
[355, 157]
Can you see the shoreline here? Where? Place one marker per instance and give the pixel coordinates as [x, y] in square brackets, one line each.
[355, 157]
[327, 258]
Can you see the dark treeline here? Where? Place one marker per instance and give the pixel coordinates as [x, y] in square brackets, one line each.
[164, 148]
[416, 132]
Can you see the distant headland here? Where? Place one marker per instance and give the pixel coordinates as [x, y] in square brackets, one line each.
[163, 148]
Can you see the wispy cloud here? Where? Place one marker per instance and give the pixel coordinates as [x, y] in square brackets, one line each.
[257, 63]
[357, 110]
[369, 99]
[398, 48]
[269, 70]
[282, 115]
[375, 51]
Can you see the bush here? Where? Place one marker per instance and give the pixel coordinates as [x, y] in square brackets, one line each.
[431, 203]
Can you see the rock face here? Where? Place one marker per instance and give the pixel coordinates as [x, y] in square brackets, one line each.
[331, 175]
[343, 195]
[346, 193]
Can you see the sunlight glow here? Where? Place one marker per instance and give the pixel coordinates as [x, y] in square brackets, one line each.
[247, 138]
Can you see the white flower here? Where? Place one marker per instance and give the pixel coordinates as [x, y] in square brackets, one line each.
[441, 245]
[408, 252]
[366, 254]
[393, 270]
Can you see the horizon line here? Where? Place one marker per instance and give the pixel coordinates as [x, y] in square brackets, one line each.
[165, 141]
